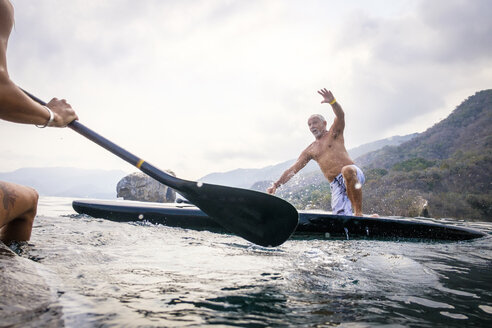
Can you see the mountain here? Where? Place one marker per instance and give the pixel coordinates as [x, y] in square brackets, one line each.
[67, 182]
[466, 129]
[448, 168]
[247, 178]
[357, 152]
[244, 178]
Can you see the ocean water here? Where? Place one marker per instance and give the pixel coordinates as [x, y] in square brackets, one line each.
[107, 274]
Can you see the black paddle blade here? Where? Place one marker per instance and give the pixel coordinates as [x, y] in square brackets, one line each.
[258, 217]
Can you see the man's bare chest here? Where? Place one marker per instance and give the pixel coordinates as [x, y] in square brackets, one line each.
[326, 146]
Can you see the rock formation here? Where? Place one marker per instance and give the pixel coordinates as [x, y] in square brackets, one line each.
[141, 187]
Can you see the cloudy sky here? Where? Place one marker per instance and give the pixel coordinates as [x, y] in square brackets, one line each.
[215, 85]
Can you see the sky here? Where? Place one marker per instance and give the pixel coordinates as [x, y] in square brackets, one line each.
[215, 85]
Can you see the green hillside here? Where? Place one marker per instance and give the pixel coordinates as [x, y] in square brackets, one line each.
[444, 172]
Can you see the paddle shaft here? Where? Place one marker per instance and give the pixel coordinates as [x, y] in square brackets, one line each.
[136, 161]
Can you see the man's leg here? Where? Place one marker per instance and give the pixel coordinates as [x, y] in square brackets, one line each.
[18, 206]
[354, 188]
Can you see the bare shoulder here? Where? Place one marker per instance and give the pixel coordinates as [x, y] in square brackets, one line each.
[6, 19]
[6, 5]
[6, 11]
[311, 150]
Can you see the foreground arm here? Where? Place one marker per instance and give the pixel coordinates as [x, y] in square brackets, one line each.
[290, 172]
[18, 108]
[15, 106]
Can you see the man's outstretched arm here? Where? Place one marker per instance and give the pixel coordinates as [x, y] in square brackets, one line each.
[290, 172]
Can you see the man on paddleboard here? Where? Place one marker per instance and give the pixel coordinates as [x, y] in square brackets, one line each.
[328, 150]
[18, 204]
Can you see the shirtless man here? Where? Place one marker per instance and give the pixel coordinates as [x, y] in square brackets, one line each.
[18, 204]
[329, 151]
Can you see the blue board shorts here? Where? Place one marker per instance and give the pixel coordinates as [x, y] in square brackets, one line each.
[340, 203]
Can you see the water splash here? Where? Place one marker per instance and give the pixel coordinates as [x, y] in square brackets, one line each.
[346, 233]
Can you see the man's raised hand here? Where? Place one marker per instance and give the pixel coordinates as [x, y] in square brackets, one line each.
[327, 96]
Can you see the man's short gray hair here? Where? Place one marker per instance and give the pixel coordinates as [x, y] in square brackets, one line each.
[318, 116]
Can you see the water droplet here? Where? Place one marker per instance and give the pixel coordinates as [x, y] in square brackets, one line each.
[199, 184]
[358, 185]
[346, 233]
[141, 216]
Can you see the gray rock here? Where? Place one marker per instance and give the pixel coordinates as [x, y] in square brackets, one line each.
[27, 300]
[141, 187]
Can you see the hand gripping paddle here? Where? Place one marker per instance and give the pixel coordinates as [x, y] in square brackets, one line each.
[258, 217]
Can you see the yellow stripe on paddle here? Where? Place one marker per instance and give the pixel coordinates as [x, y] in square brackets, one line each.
[140, 162]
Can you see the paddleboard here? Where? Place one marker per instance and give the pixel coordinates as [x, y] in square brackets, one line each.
[311, 223]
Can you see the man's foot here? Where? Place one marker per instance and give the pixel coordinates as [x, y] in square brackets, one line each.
[374, 215]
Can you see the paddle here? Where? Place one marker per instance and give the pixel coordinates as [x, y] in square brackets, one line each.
[261, 218]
